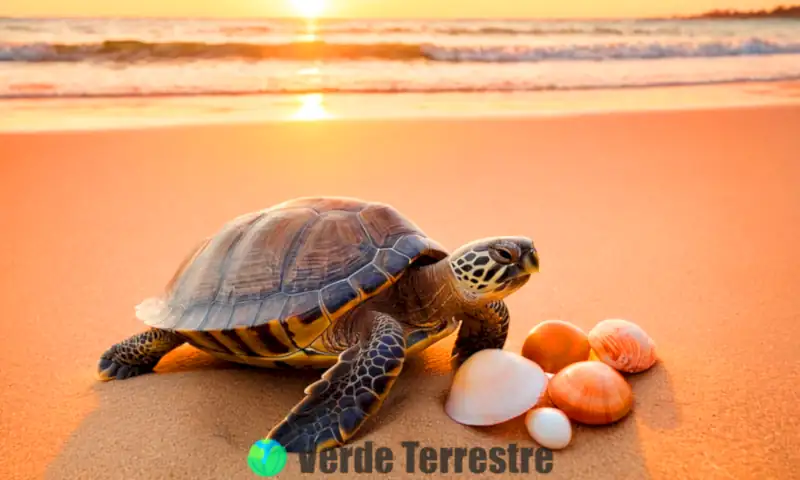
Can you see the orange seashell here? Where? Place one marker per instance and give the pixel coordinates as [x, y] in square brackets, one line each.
[591, 392]
[623, 345]
[554, 344]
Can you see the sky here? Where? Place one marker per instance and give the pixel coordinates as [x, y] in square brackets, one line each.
[374, 8]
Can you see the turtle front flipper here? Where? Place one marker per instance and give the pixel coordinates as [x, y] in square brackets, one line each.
[337, 405]
[482, 328]
[137, 355]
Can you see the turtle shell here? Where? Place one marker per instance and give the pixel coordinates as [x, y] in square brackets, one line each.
[271, 282]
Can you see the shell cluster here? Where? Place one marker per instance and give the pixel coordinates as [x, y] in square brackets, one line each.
[561, 376]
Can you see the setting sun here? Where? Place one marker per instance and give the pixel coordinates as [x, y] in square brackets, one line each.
[312, 107]
[308, 8]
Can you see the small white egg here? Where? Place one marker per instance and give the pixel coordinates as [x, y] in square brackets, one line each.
[549, 427]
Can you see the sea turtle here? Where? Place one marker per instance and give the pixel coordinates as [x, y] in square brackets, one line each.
[338, 283]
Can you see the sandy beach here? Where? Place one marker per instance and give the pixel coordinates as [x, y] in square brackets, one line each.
[685, 222]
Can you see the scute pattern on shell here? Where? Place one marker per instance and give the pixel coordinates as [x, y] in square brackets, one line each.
[302, 263]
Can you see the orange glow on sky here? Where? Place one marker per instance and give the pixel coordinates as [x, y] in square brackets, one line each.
[373, 8]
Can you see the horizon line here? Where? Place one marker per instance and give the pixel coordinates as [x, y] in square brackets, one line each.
[712, 14]
[342, 18]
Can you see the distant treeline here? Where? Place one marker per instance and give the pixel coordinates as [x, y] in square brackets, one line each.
[777, 12]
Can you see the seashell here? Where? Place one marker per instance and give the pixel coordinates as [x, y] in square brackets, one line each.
[549, 427]
[623, 345]
[554, 344]
[544, 399]
[591, 392]
[493, 386]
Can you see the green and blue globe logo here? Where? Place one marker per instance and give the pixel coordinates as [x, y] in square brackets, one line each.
[266, 458]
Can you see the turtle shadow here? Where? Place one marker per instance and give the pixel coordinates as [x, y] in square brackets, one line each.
[197, 416]
[164, 424]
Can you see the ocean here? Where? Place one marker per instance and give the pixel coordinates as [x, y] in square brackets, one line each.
[268, 60]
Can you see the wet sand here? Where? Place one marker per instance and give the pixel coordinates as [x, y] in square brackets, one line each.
[687, 223]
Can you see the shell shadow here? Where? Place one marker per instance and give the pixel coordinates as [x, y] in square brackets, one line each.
[655, 398]
[609, 451]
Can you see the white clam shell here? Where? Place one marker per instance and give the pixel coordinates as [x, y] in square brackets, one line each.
[623, 345]
[549, 427]
[493, 386]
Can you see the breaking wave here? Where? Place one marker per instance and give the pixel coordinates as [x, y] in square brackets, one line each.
[141, 52]
[51, 91]
[520, 30]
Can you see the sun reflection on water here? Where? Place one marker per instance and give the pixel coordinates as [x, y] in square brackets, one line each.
[308, 71]
[310, 34]
[312, 107]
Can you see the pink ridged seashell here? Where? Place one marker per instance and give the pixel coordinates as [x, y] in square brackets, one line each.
[623, 345]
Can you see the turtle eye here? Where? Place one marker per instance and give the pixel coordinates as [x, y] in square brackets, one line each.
[501, 254]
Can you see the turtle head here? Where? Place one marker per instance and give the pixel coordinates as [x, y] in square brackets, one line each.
[493, 268]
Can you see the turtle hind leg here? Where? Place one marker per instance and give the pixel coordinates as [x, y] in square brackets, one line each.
[338, 404]
[137, 355]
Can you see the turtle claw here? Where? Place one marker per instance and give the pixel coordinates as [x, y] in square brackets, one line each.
[108, 370]
[137, 355]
